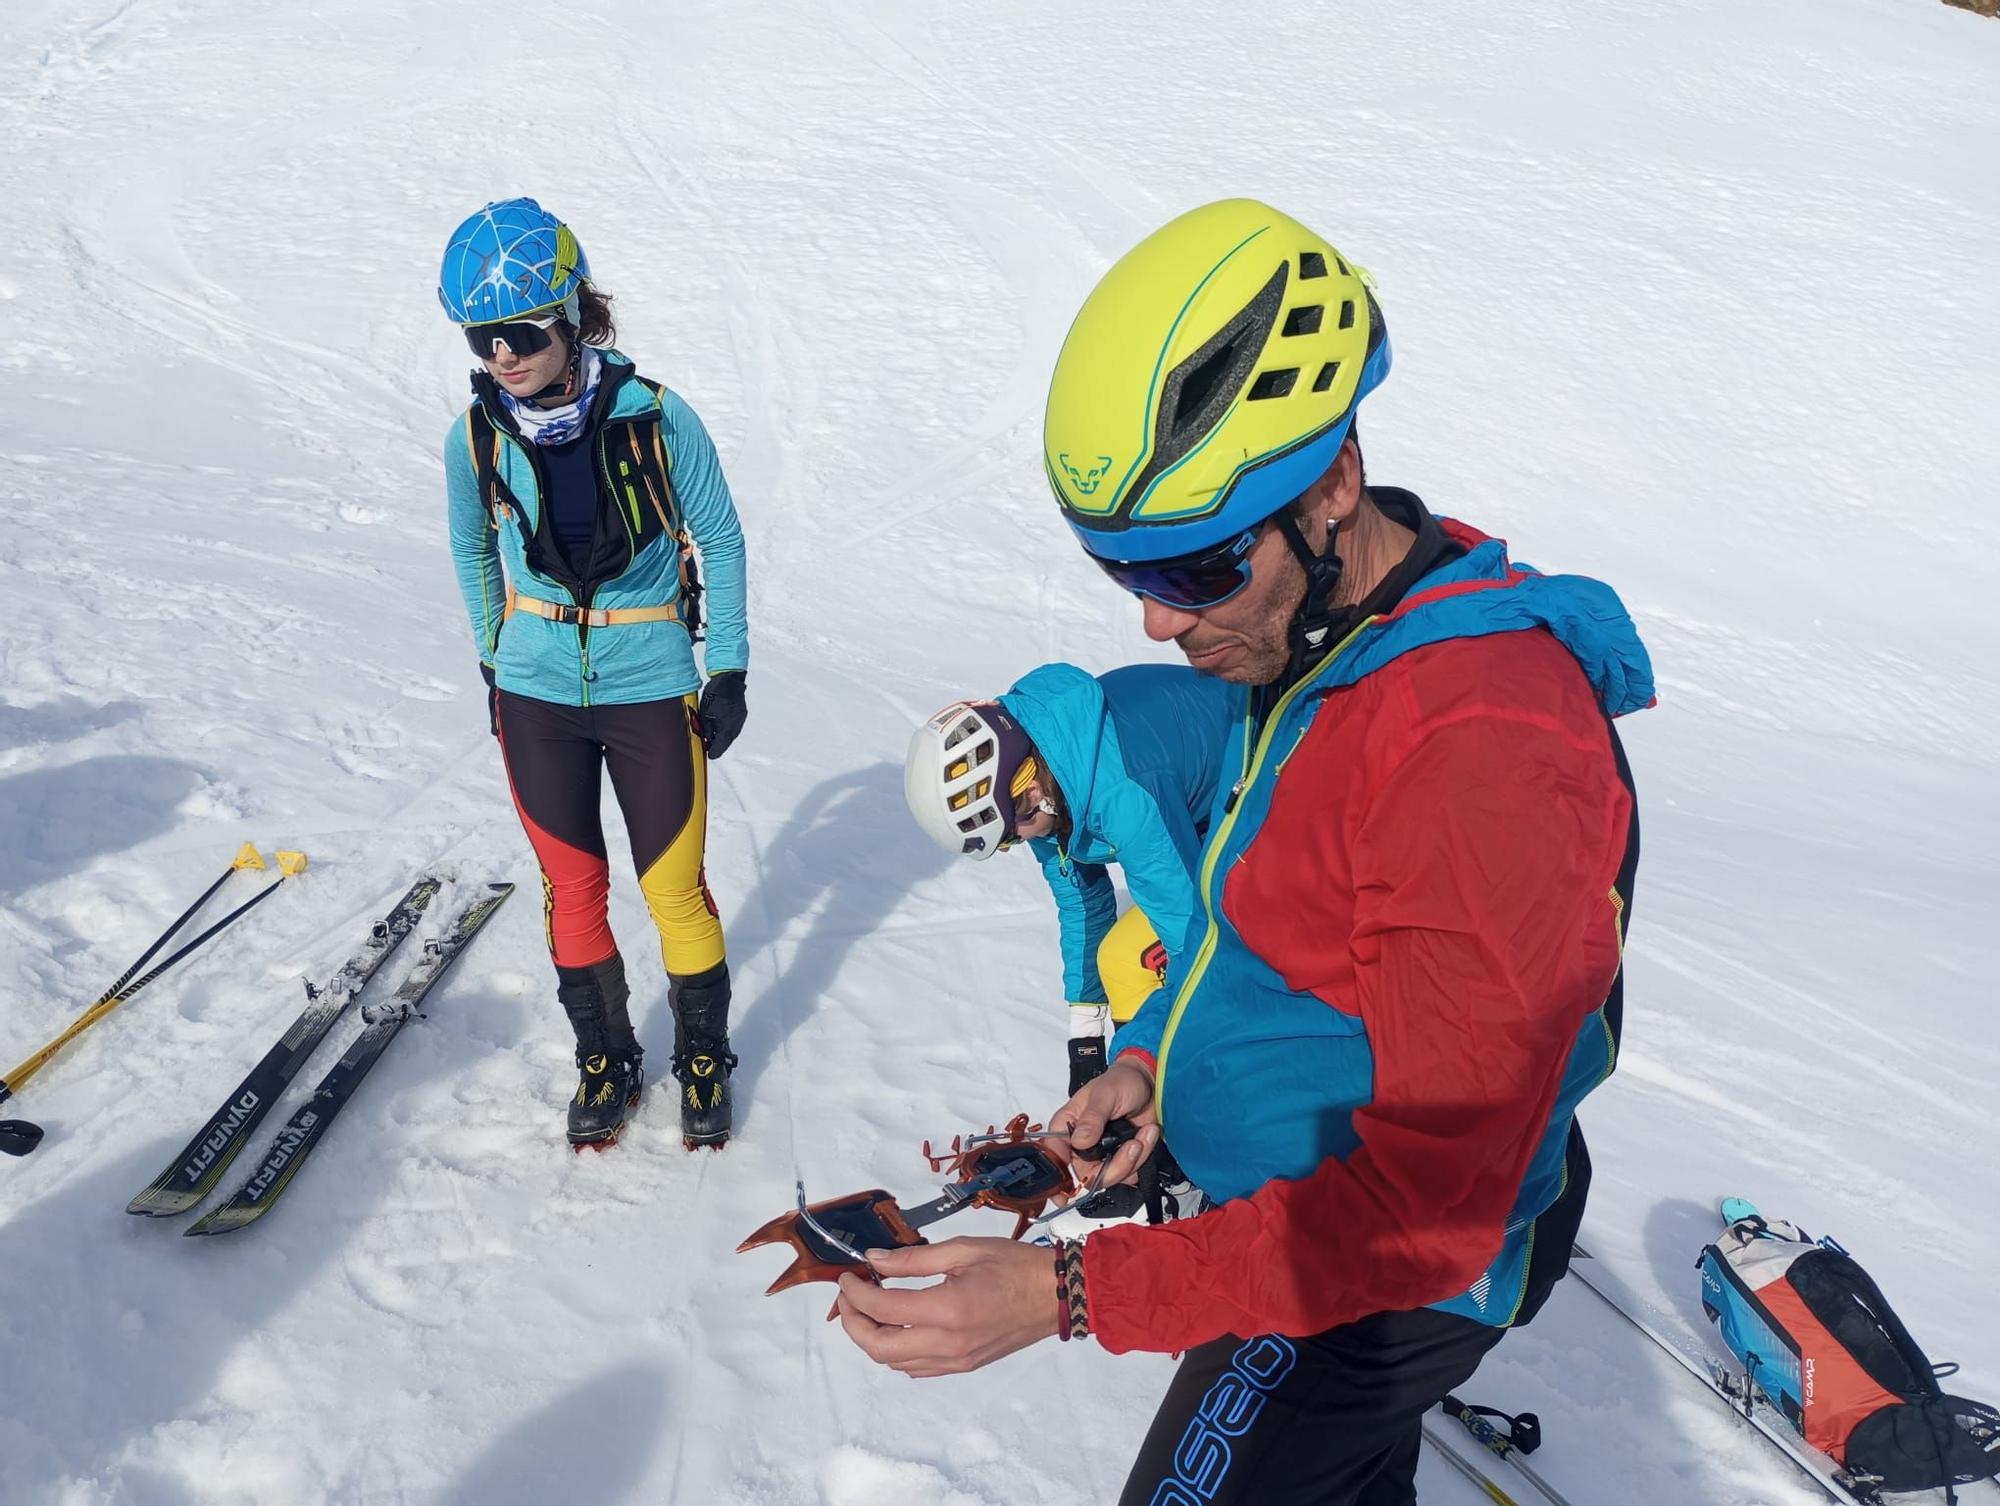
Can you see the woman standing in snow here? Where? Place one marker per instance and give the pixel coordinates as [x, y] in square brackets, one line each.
[578, 492]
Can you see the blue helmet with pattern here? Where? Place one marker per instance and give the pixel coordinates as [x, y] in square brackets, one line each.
[510, 260]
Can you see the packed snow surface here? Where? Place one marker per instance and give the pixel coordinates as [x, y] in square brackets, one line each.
[1693, 295]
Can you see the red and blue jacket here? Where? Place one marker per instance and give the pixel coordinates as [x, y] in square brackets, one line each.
[1412, 886]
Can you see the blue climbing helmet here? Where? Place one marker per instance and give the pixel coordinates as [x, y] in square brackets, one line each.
[510, 260]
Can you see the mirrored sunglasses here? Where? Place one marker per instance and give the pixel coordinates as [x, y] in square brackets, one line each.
[1189, 582]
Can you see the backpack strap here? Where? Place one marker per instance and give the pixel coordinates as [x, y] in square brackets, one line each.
[482, 443]
[669, 509]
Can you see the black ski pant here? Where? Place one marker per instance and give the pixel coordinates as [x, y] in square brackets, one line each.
[1335, 1419]
[1331, 1420]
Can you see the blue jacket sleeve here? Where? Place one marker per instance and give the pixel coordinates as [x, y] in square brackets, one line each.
[1143, 1031]
[1086, 907]
[475, 553]
[705, 503]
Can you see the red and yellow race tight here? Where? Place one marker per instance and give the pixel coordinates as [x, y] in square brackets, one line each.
[556, 758]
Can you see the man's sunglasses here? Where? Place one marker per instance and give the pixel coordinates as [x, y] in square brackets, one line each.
[524, 337]
[1189, 582]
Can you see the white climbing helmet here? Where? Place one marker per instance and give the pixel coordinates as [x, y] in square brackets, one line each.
[963, 770]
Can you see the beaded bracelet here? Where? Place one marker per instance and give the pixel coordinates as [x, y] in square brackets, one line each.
[1072, 1313]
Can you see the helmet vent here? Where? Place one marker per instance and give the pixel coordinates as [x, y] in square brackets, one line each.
[1196, 389]
[1199, 392]
[1305, 321]
[1312, 264]
[1273, 384]
[1326, 375]
[1347, 314]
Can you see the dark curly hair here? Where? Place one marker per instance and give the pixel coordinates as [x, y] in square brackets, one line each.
[593, 325]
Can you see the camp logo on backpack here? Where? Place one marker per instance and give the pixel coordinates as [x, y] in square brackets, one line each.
[1820, 1341]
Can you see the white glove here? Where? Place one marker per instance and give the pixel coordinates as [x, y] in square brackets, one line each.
[1089, 1020]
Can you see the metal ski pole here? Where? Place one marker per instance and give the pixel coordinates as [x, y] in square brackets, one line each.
[17, 1136]
[1467, 1468]
[1502, 1445]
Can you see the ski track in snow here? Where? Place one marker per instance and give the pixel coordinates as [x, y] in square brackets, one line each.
[1685, 294]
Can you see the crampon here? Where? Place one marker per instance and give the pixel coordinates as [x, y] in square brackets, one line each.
[1008, 1169]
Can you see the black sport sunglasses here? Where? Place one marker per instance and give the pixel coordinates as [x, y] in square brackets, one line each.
[525, 337]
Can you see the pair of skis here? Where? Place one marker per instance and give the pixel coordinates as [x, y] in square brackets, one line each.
[200, 1166]
[1742, 1400]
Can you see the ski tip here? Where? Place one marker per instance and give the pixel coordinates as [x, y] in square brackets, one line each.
[150, 1205]
[1734, 1210]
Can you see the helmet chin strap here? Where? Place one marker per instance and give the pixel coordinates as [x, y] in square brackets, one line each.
[1316, 615]
[566, 387]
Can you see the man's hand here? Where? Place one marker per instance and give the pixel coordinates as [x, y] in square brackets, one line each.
[1125, 1091]
[997, 1296]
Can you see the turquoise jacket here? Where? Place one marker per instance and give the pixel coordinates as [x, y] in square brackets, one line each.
[575, 666]
[1136, 754]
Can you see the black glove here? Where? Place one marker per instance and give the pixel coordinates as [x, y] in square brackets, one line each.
[492, 698]
[1086, 1061]
[722, 711]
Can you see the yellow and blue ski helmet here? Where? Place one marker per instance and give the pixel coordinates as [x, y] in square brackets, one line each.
[1209, 379]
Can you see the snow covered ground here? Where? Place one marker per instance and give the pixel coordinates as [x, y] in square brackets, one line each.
[1693, 295]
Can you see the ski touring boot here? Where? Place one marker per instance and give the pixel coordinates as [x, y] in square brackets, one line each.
[702, 1058]
[609, 1076]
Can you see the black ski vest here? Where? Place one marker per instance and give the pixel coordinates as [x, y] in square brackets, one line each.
[635, 495]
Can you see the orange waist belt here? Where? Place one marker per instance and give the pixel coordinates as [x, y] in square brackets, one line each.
[596, 617]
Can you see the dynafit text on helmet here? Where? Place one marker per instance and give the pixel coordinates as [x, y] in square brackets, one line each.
[1087, 772]
[587, 511]
[1412, 892]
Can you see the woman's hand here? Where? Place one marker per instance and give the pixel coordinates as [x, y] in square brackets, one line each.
[722, 711]
[492, 698]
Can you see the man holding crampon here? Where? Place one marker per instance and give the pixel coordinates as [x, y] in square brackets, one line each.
[1416, 881]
